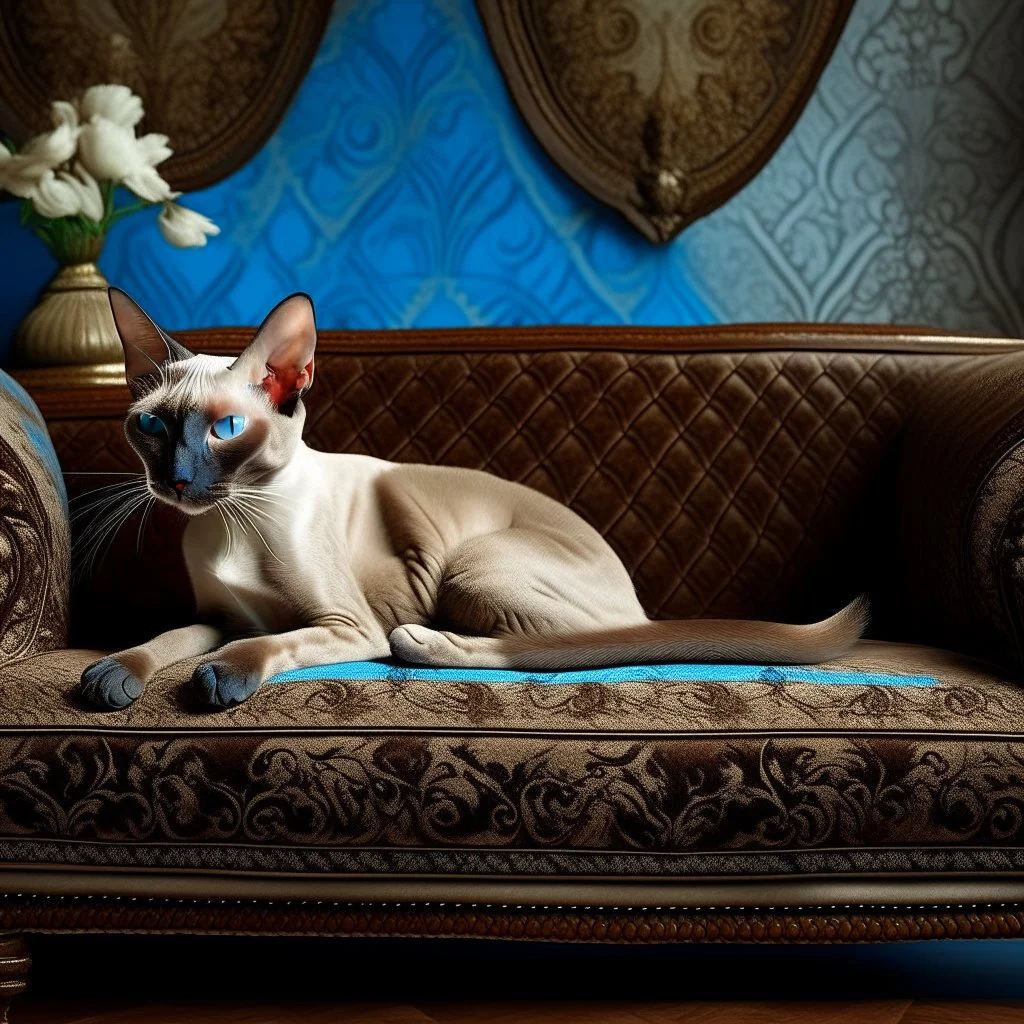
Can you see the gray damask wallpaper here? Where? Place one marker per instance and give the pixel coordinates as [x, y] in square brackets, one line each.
[403, 189]
[898, 196]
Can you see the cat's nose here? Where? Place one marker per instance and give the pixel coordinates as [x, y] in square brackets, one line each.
[180, 485]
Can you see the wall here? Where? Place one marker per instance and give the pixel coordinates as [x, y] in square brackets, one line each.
[402, 189]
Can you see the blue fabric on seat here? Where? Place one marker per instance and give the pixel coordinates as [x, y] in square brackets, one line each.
[393, 670]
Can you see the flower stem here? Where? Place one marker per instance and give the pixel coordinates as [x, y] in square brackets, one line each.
[115, 215]
[78, 239]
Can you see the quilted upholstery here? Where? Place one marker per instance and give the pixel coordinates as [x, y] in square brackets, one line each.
[730, 483]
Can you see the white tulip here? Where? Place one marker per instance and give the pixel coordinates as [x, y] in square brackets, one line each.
[108, 151]
[90, 197]
[55, 197]
[185, 228]
[145, 182]
[111, 152]
[63, 112]
[148, 185]
[116, 103]
[50, 149]
[153, 148]
[20, 174]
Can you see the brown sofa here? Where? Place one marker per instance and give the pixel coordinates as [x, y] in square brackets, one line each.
[757, 471]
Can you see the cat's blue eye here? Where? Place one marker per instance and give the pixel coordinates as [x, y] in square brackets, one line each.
[150, 424]
[228, 426]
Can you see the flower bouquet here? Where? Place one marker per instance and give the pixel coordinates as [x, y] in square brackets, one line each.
[74, 183]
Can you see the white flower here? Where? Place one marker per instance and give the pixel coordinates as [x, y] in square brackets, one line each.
[58, 146]
[55, 197]
[143, 180]
[115, 103]
[110, 152]
[107, 150]
[90, 197]
[148, 185]
[154, 149]
[185, 228]
[62, 112]
[20, 174]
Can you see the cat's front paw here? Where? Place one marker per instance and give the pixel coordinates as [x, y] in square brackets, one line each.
[222, 685]
[109, 685]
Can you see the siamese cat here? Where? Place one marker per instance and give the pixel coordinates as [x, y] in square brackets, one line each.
[299, 557]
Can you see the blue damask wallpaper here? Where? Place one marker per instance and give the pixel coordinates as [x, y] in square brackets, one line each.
[402, 189]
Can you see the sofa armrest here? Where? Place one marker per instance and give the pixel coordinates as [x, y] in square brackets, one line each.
[961, 495]
[35, 536]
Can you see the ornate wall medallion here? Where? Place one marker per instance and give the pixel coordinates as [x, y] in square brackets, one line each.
[215, 75]
[662, 108]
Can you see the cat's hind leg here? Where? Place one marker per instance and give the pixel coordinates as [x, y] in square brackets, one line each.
[421, 645]
[502, 592]
[119, 679]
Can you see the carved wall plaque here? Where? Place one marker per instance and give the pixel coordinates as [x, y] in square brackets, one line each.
[662, 108]
[215, 75]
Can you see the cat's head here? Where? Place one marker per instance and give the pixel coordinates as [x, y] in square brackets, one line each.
[205, 426]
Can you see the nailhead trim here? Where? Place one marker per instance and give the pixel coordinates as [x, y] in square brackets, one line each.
[557, 923]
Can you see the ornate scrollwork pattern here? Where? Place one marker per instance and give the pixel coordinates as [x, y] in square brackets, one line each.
[34, 534]
[663, 795]
[662, 109]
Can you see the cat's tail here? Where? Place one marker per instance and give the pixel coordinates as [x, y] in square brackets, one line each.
[696, 640]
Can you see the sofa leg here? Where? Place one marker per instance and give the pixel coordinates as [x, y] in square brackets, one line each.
[15, 962]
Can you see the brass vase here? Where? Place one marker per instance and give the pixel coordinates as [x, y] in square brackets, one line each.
[72, 323]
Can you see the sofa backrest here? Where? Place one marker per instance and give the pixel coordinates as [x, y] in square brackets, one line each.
[737, 471]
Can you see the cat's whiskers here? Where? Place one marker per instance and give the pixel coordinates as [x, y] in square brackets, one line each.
[99, 534]
[260, 512]
[142, 522]
[97, 496]
[109, 520]
[236, 519]
[279, 498]
[261, 504]
[227, 529]
[100, 505]
[247, 515]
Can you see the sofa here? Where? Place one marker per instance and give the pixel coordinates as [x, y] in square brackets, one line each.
[758, 471]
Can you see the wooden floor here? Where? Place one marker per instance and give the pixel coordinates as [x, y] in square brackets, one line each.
[892, 1012]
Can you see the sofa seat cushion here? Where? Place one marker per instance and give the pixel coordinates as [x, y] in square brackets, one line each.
[896, 759]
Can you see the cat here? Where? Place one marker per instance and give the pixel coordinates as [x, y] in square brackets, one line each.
[299, 557]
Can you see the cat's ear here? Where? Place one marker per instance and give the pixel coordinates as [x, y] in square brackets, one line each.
[146, 347]
[280, 358]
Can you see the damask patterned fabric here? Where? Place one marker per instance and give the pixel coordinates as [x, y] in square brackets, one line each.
[406, 777]
[34, 531]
